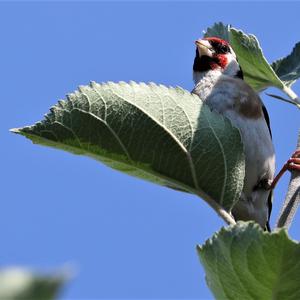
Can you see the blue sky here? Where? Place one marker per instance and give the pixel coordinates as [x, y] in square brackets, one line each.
[127, 238]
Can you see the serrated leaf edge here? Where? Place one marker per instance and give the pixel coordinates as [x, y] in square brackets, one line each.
[244, 225]
[197, 191]
[239, 31]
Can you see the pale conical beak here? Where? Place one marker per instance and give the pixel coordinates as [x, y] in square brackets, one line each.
[204, 48]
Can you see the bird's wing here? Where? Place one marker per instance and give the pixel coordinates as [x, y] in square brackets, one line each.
[267, 118]
[270, 198]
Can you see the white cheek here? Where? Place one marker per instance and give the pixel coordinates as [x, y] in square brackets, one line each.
[232, 65]
[232, 52]
[230, 57]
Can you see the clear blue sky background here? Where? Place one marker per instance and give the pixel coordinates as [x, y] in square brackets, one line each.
[128, 238]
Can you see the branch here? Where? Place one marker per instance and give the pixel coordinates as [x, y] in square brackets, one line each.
[291, 94]
[292, 199]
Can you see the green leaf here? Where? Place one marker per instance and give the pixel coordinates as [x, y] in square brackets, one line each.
[288, 68]
[20, 284]
[165, 135]
[257, 71]
[244, 262]
[218, 30]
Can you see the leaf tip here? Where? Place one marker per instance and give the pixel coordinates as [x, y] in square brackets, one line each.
[16, 130]
[133, 83]
[198, 249]
[81, 88]
[21, 130]
[93, 84]
[24, 131]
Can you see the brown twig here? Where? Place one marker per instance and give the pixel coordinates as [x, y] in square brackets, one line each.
[292, 199]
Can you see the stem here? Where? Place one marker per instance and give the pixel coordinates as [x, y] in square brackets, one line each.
[220, 211]
[283, 99]
[291, 94]
[226, 216]
[292, 199]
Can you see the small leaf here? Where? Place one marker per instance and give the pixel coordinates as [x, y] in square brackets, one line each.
[165, 135]
[244, 262]
[218, 30]
[257, 71]
[288, 68]
[20, 284]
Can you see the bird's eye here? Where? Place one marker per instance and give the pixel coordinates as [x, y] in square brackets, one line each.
[223, 49]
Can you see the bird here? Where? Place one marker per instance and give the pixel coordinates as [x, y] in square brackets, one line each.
[219, 83]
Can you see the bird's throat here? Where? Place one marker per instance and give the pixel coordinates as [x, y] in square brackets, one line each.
[205, 82]
[224, 63]
[205, 63]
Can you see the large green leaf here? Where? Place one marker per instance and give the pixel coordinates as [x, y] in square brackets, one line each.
[165, 135]
[244, 262]
[21, 284]
[257, 71]
[288, 68]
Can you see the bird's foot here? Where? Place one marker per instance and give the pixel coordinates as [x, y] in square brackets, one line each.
[291, 165]
[294, 162]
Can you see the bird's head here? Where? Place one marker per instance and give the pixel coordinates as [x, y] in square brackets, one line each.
[213, 53]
